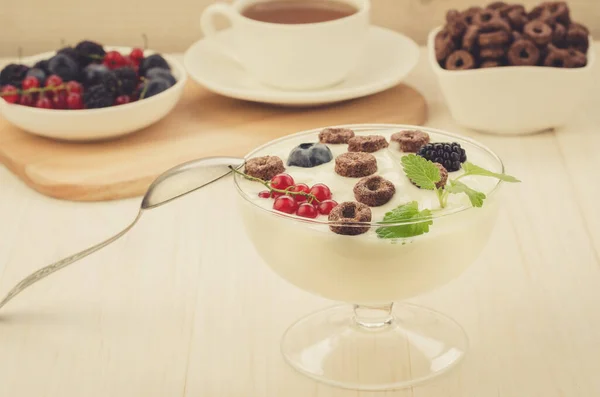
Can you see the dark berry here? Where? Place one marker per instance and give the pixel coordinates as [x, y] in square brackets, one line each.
[70, 52]
[43, 103]
[122, 100]
[39, 74]
[65, 67]
[153, 61]
[98, 96]
[10, 93]
[88, 52]
[127, 80]
[308, 155]
[321, 192]
[161, 73]
[92, 74]
[282, 181]
[326, 206]
[153, 87]
[30, 82]
[306, 210]
[13, 74]
[43, 66]
[74, 101]
[285, 204]
[450, 155]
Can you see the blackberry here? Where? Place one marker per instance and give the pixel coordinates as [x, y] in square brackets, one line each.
[70, 52]
[449, 154]
[65, 67]
[88, 52]
[127, 80]
[153, 61]
[92, 74]
[13, 74]
[98, 97]
[162, 73]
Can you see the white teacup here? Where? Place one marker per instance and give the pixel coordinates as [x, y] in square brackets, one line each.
[293, 56]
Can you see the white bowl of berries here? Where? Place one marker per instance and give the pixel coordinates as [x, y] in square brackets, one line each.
[90, 92]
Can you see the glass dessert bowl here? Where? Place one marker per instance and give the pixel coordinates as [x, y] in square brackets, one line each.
[415, 241]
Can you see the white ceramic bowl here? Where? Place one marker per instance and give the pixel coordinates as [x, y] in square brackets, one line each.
[96, 124]
[513, 100]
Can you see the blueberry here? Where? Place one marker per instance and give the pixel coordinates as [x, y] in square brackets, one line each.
[308, 155]
[92, 74]
[43, 65]
[64, 66]
[153, 87]
[162, 73]
[153, 61]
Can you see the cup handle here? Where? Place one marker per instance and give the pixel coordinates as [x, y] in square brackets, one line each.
[210, 31]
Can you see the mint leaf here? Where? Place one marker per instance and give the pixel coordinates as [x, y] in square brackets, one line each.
[456, 187]
[472, 169]
[421, 171]
[405, 213]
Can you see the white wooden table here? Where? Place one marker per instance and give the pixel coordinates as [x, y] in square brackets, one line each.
[183, 306]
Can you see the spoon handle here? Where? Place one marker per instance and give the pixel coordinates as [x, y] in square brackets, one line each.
[56, 266]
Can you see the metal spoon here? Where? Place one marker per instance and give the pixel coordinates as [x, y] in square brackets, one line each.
[172, 184]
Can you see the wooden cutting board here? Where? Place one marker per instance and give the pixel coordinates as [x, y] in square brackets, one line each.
[202, 124]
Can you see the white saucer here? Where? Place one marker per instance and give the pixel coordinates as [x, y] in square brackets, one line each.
[389, 57]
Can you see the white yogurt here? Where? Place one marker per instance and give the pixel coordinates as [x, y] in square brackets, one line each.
[366, 269]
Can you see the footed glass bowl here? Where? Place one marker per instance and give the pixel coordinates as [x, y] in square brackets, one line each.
[373, 341]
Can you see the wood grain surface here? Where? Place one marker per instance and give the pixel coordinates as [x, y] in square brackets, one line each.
[184, 307]
[173, 26]
[202, 124]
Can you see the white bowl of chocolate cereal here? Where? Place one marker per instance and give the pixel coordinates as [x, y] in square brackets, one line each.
[504, 69]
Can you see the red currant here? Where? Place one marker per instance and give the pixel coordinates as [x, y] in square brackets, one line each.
[321, 192]
[137, 54]
[264, 194]
[122, 100]
[43, 103]
[26, 100]
[285, 204]
[30, 82]
[59, 101]
[10, 93]
[53, 81]
[326, 206]
[74, 101]
[276, 194]
[282, 181]
[73, 86]
[301, 187]
[306, 210]
[114, 60]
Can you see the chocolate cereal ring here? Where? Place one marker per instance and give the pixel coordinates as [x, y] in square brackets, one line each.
[516, 36]
[559, 12]
[493, 52]
[444, 45]
[559, 35]
[374, 191]
[523, 53]
[557, 58]
[335, 135]
[497, 38]
[577, 59]
[539, 32]
[496, 5]
[410, 141]
[460, 60]
[348, 217]
[367, 143]
[456, 28]
[517, 18]
[490, 63]
[469, 14]
[265, 167]
[355, 164]
[578, 38]
[470, 38]
[453, 15]
[580, 26]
